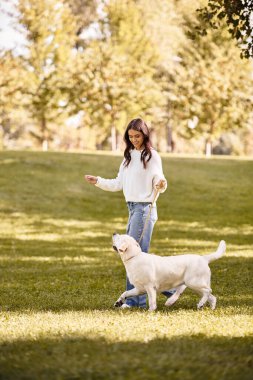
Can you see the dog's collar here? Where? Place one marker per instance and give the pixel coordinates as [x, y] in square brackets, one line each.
[128, 259]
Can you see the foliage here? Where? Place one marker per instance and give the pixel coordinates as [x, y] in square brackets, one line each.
[238, 17]
[102, 63]
[119, 72]
[163, 25]
[48, 63]
[60, 276]
[85, 12]
[212, 89]
[11, 75]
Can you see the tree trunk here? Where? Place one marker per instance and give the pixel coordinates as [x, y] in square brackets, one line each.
[44, 134]
[209, 140]
[113, 138]
[170, 142]
[208, 148]
[1, 139]
[45, 145]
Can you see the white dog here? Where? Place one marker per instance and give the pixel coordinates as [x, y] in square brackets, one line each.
[151, 273]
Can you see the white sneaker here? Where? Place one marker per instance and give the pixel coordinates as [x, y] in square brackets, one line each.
[125, 306]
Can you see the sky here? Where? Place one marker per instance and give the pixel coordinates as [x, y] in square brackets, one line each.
[13, 39]
[9, 38]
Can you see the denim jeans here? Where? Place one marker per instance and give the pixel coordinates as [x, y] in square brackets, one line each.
[138, 213]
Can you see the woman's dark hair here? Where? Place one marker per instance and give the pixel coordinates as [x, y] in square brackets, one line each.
[146, 154]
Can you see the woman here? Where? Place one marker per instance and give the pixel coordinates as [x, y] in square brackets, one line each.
[140, 176]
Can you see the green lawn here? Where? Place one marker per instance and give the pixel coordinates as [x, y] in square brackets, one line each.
[59, 276]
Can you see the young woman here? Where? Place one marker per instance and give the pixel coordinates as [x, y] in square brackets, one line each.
[140, 176]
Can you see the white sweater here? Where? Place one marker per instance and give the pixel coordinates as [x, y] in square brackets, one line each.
[136, 182]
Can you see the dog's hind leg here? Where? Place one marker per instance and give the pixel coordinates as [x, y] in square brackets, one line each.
[199, 280]
[212, 301]
[206, 292]
[179, 290]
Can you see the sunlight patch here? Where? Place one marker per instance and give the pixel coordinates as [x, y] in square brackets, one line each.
[244, 229]
[78, 259]
[25, 227]
[42, 237]
[8, 161]
[198, 247]
[119, 327]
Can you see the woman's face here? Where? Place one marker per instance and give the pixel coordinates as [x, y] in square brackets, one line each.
[136, 138]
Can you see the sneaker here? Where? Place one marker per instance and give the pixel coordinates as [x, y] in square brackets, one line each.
[169, 293]
[121, 305]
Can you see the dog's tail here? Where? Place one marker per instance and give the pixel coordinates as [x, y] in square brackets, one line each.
[218, 254]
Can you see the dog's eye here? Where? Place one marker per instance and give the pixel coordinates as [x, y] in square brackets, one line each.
[115, 248]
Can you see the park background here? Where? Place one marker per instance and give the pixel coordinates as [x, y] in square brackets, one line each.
[76, 72]
[73, 76]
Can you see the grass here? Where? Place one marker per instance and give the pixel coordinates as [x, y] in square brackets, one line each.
[60, 277]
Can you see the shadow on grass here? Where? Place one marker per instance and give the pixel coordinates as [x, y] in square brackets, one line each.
[191, 357]
[66, 277]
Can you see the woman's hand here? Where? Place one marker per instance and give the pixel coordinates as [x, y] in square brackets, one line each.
[161, 185]
[91, 179]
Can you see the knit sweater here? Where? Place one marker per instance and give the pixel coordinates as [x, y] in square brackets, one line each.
[137, 183]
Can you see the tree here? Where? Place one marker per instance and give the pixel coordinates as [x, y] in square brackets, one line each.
[212, 89]
[118, 80]
[163, 25]
[85, 12]
[10, 85]
[48, 64]
[238, 17]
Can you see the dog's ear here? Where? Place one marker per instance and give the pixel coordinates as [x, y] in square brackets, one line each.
[123, 247]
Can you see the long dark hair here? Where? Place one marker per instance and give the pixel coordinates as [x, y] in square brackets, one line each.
[146, 154]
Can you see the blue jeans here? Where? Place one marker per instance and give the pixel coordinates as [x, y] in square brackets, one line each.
[138, 213]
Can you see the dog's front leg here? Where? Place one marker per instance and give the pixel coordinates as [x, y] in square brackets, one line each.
[128, 293]
[151, 290]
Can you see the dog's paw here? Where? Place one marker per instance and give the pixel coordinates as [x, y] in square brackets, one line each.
[212, 302]
[151, 309]
[200, 306]
[118, 303]
[169, 302]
